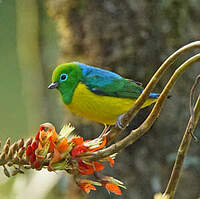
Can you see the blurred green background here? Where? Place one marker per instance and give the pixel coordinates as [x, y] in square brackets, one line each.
[28, 54]
[131, 37]
[20, 73]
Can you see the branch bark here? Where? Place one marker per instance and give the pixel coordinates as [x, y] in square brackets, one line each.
[183, 148]
[115, 131]
[146, 125]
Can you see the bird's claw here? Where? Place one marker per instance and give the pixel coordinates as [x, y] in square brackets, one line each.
[105, 131]
[119, 123]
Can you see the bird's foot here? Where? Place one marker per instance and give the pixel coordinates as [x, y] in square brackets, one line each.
[105, 130]
[119, 122]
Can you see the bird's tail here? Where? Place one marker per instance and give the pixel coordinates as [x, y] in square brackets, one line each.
[156, 95]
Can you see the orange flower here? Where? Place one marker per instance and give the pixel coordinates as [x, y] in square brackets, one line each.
[98, 166]
[111, 161]
[42, 151]
[86, 187]
[63, 145]
[112, 188]
[56, 157]
[53, 136]
[100, 146]
[112, 184]
[84, 169]
[88, 169]
[77, 140]
[52, 140]
[43, 136]
[47, 136]
[79, 149]
[71, 155]
[51, 147]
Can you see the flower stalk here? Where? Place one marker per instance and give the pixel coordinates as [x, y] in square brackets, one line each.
[64, 151]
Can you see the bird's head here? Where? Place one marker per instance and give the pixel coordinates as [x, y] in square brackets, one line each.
[65, 78]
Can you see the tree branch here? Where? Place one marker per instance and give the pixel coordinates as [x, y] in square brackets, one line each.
[146, 125]
[183, 148]
[115, 131]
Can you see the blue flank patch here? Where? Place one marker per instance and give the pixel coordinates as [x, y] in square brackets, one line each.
[153, 95]
[97, 76]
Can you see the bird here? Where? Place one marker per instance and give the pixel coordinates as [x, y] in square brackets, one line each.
[95, 93]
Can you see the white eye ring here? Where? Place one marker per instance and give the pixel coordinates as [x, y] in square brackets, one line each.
[63, 77]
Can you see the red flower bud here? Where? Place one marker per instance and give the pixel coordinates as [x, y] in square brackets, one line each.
[42, 128]
[37, 137]
[29, 150]
[32, 158]
[34, 145]
[36, 164]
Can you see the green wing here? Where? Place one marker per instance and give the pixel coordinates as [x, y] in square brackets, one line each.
[107, 83]
[117, 88]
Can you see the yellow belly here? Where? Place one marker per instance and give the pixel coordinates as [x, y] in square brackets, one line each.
[102, 109]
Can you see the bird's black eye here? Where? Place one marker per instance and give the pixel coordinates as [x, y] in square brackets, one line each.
[63, 77]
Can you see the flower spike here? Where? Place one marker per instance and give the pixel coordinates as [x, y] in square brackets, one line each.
[60, 151]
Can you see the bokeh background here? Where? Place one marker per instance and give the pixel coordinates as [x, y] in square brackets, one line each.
[130, 37]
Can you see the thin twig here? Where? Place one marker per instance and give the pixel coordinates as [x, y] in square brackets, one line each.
[115, 131]
[192, 92]
[183, 148]
[192, 103]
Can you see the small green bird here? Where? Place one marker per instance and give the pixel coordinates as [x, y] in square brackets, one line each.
[96, 94]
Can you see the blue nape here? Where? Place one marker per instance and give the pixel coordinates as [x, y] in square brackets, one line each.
[92, 71]
[97, 77]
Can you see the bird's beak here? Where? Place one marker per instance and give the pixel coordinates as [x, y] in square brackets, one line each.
[53, 85]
